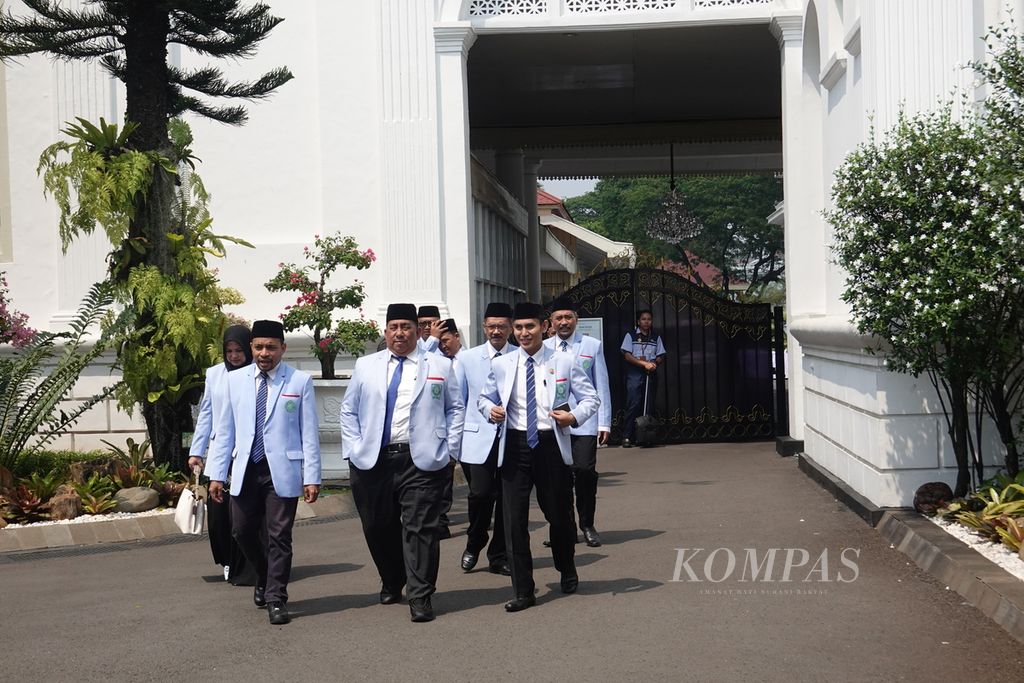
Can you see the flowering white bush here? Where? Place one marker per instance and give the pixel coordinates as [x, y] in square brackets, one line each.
[929, 229]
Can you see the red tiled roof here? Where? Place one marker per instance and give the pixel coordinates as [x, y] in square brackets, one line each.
[708, 273]
[555, 204]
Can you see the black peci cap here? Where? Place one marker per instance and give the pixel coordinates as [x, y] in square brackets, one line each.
[268, 329]
[401, 312]
[428, 312]
[498, 309]
[562, 303]
[528, 309]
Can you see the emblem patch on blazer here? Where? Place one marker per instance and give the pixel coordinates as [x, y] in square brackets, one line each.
[587, 361]
[290, 406]
[435, 391]
[560, 389]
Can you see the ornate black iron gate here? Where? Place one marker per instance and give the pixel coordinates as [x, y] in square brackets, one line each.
[717, 381]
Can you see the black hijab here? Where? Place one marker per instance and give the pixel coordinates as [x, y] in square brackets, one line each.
[240, 335]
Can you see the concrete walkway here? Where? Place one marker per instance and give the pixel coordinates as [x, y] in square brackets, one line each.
[159, 611]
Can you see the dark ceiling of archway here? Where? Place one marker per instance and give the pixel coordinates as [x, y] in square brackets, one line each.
[692, 84]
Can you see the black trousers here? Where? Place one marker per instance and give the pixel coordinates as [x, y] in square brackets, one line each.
[635, 383]
[223, 544]
[448, 496]
[400, 508]
[523, 469]
[584, 474]
[258, 506]
[485, 500]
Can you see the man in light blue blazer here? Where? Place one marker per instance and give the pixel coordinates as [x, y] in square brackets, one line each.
[589, 356]
[479, 457]
[401, 424]
[269, 422]
[530, 392]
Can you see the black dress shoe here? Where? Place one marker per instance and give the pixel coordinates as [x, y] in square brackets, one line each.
[278, 613]
[445, 532]
[390, 596]
[421, 610]
[591, 536]
[520, 603]
[570, 582]
[469, 560]
[259, 596]
[626, 443]
[500, 568]
[547, 543]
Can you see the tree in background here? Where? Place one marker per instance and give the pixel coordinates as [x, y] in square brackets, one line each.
[130, 39]
[737, 239]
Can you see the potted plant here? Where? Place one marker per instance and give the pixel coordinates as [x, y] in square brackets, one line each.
[316, 303]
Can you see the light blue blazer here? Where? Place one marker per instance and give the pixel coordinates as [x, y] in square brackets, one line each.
[290, 434]
[589, 356]
[473, 368]
[209, 409]
[500, 383]
[436, 413]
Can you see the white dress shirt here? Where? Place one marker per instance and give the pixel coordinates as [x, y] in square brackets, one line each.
[515, 412]
[271, 374]
[505, 350]
[403, 403]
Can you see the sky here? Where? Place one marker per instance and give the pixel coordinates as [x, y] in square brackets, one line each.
[563, 189]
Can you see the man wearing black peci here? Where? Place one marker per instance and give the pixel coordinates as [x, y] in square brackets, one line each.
[528, 391]
[479, 457]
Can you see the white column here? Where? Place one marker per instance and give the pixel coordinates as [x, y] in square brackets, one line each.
[451, 45]
[413, 241]
[533, 239]
[81, 89]
[802, 293]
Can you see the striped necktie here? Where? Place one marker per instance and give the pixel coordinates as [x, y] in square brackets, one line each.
[389, 408]
[258, 451]
[565, 345]
[532, 436]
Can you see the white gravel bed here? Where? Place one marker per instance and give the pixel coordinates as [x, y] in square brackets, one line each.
[997, 552]
[85, 519]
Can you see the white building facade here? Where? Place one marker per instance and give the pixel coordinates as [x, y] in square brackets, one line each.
[420, 127]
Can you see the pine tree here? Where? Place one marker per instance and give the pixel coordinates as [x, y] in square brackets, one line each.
[130, 39]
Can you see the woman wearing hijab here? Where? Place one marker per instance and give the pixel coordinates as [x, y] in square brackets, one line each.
[237, 354]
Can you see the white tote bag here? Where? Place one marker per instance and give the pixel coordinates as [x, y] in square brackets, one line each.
[190, 513]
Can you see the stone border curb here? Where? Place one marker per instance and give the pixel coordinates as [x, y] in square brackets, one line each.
[136, 528]
[858, 504]
[997, 593]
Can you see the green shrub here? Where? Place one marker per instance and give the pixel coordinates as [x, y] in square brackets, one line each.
[49, 461]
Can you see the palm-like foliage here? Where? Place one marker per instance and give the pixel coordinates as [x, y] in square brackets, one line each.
[30, 390]
[110, 30]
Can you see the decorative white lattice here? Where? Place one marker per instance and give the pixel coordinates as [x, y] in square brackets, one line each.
[589, 6]
[707, 4]
[491, 8]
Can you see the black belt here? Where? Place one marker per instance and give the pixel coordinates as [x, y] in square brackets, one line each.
[541, 433]
[393, 448]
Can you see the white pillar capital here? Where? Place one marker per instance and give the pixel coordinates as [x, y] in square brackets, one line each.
[788, 28]
[452, 37]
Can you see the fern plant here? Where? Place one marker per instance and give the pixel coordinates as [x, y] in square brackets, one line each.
[30, 393]
[98, 174]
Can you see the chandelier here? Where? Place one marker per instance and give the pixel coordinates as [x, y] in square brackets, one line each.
[674, 223]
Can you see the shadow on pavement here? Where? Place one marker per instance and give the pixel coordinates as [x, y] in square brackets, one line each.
[617, 536]
[447, 602]
[582, 560]
[332, 603]
[612, 586]
[311, 570]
